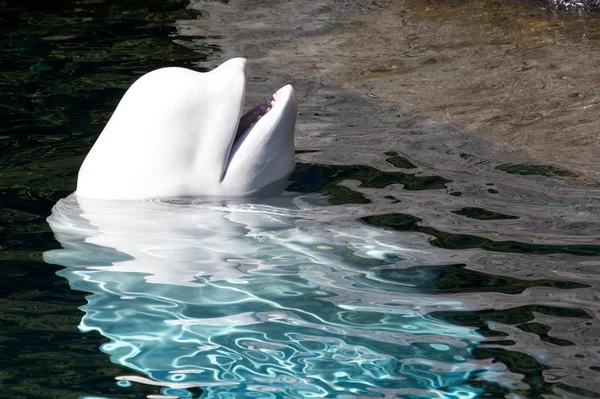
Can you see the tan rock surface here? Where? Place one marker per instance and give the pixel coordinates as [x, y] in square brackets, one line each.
[521, 77]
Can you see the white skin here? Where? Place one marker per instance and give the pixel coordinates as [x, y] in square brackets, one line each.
[174, 135]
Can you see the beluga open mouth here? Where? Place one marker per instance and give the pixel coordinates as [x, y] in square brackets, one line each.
[179, 133]
[249, 119]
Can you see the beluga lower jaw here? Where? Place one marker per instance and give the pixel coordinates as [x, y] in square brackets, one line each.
[179, 133]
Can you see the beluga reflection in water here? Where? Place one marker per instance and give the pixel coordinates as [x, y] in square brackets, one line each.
[240, 298]
[267, 299]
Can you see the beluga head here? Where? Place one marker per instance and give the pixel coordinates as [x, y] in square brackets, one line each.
[178, 132]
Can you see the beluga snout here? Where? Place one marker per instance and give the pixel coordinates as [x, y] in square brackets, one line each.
[181, 133]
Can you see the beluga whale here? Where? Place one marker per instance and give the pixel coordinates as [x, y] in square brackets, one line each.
[181, 133]
[269, 297]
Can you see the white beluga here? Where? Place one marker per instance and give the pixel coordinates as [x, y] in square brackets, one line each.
[242, 296]
[181, 133]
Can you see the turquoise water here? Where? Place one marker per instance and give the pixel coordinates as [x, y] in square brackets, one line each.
[239, 300]
[390, 273]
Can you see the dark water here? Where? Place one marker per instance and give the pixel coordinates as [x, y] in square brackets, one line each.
[499, 257]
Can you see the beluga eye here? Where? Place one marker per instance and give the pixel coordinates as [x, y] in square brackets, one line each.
[179, 133]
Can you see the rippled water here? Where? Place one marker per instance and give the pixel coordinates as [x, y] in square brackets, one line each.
[575, 5]
[263, 300]
[407, 260]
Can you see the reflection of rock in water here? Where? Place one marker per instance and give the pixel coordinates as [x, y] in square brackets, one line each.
[239, 298]
[514, 73]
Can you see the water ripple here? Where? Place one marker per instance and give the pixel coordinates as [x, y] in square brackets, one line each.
[198, 300]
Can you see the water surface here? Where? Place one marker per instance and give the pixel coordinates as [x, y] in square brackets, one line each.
[409, 264]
